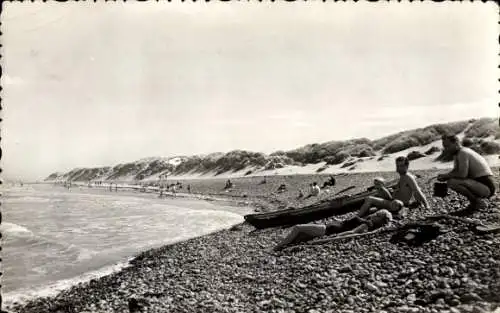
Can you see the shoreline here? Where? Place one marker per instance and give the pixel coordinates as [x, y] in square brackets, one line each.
[182, 262]
[25, 295]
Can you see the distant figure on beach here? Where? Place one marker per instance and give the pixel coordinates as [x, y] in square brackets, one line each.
[354, 225]
[301, 194]
[189, 188]
[471, 175]
[229, 184]
[329, 183]
[282, 188]
[406, 190]
[315, 190]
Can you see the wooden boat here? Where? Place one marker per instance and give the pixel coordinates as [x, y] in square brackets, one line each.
[313, 212]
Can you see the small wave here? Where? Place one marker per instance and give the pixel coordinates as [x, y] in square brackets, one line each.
[15, 230]
[85, 254]
[21, 296]
[27, 199]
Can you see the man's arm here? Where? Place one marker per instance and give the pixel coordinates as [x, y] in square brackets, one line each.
[383, 192]
[360, 219]
[419, 195]
[358, 230]
[460, 168]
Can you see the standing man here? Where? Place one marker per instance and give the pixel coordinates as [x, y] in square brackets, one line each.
[471, 175]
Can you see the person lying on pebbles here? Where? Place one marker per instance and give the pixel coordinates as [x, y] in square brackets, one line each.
[471, 175]
[397, 202]
[354, 225]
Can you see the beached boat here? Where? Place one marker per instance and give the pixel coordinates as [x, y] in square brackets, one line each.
[313, 212]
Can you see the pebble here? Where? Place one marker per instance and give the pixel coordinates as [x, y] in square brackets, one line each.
[345, 269]
[381, 284]
[411, 298]
[454, 302]
[371, 287]
[350, 300]
[468, 297]
[229, 272]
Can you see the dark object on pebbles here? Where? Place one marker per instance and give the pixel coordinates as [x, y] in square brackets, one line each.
[440, 189]
[237, 227]
[133, 305]
[417, 235]
[415, 155]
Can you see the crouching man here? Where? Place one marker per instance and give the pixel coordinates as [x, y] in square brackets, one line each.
[471, 175]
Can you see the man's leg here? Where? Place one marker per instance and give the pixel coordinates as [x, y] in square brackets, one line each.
[370, 202]
[471, 189]
[363, 228]
[309, 230]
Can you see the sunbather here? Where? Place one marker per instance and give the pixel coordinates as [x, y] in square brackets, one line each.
[329, 183]
[406, 190]
[354, 225]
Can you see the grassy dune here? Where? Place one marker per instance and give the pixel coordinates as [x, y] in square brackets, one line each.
[482, 135]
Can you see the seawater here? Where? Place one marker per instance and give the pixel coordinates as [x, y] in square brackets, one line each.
[53, 238]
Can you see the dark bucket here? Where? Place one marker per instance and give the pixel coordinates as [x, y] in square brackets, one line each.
[440, 189]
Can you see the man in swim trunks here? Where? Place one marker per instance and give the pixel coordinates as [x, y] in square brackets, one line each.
[471, 175]
[406, 190]
[354, 225]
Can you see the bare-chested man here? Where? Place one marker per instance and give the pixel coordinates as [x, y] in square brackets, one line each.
[406, 190]
[471, 175]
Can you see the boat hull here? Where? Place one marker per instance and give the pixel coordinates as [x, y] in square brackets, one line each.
[310, 213]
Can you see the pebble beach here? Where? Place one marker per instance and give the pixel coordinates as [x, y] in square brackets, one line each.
[235, 270]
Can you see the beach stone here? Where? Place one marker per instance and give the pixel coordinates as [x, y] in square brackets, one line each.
[371, 287]
[374, 254]
[469, 297]
[351, 300]
[411, 298]
[454, 302]
[345, 269]
[403, 308]
[381, 284]
[477, 309]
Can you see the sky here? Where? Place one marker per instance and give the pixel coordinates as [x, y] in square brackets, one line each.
[97, 84]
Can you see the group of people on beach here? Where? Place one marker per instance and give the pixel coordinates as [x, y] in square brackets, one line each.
[470, 177]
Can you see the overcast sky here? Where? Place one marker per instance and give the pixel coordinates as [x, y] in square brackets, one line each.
[89, 84]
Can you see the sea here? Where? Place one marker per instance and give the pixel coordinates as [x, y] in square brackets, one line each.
[54, 237]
